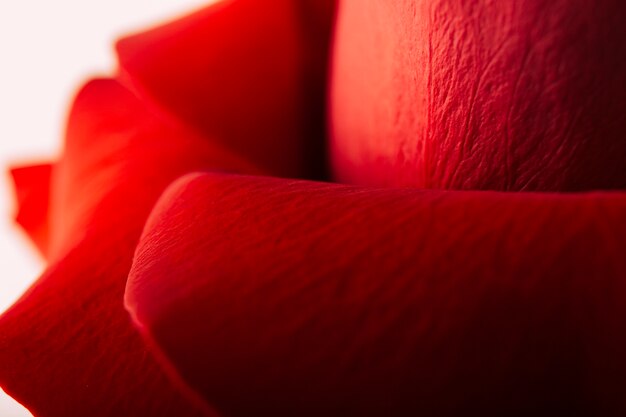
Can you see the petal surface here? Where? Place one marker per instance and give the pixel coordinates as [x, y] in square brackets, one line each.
[275, 297]
[32, 194]
[452, 94]
[119, 156]
[249, 72]
[67, 348]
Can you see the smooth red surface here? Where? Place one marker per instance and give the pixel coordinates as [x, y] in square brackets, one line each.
[249, 73]
[67, 348]
[32, 195]
[277, 297]
[268, 297]
[119, 155]
[518, 95]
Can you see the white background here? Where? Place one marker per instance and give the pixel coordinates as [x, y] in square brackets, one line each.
[47, 48]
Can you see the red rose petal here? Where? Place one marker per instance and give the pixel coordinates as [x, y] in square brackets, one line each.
[118, 158]
[68, 348]
[274, 297]
[250, 73]
[32, 192]
[479, 95]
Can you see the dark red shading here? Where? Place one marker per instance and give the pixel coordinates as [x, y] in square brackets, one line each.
[472, 94]
[286, 298]
[250, 73]
[32, 195]
[68, 348]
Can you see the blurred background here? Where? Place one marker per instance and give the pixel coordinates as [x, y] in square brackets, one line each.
[48, 49]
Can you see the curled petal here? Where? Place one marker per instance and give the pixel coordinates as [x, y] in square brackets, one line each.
[119, 156]
[273, 297]
[67, 348]
[249, 73]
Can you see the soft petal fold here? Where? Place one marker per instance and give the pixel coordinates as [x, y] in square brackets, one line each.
[67, 348]
[119, 156]
[480, 95]
[250, 73]
[32, 195]
[275, 297]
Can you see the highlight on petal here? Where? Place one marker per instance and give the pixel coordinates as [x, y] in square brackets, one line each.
[32, 194]
[479, 95]
[118, 158]
[67, 348]
[276, 297]
[250, 73]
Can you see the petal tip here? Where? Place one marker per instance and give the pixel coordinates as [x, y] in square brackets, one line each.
[32, 194]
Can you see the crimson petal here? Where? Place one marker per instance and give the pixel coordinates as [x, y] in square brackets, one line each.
[119, 156]
[32, 192]
[67, 348]
[479, 95]
[274, 297]
[250, 73]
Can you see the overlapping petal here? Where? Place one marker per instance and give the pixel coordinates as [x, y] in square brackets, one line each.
[477, 95]
[262, 296]
[118, 158]
[67, 347]
[278, 297]
[236, 77]
[250, 73]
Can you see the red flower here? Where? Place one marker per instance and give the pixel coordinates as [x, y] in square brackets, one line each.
[253, 295]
